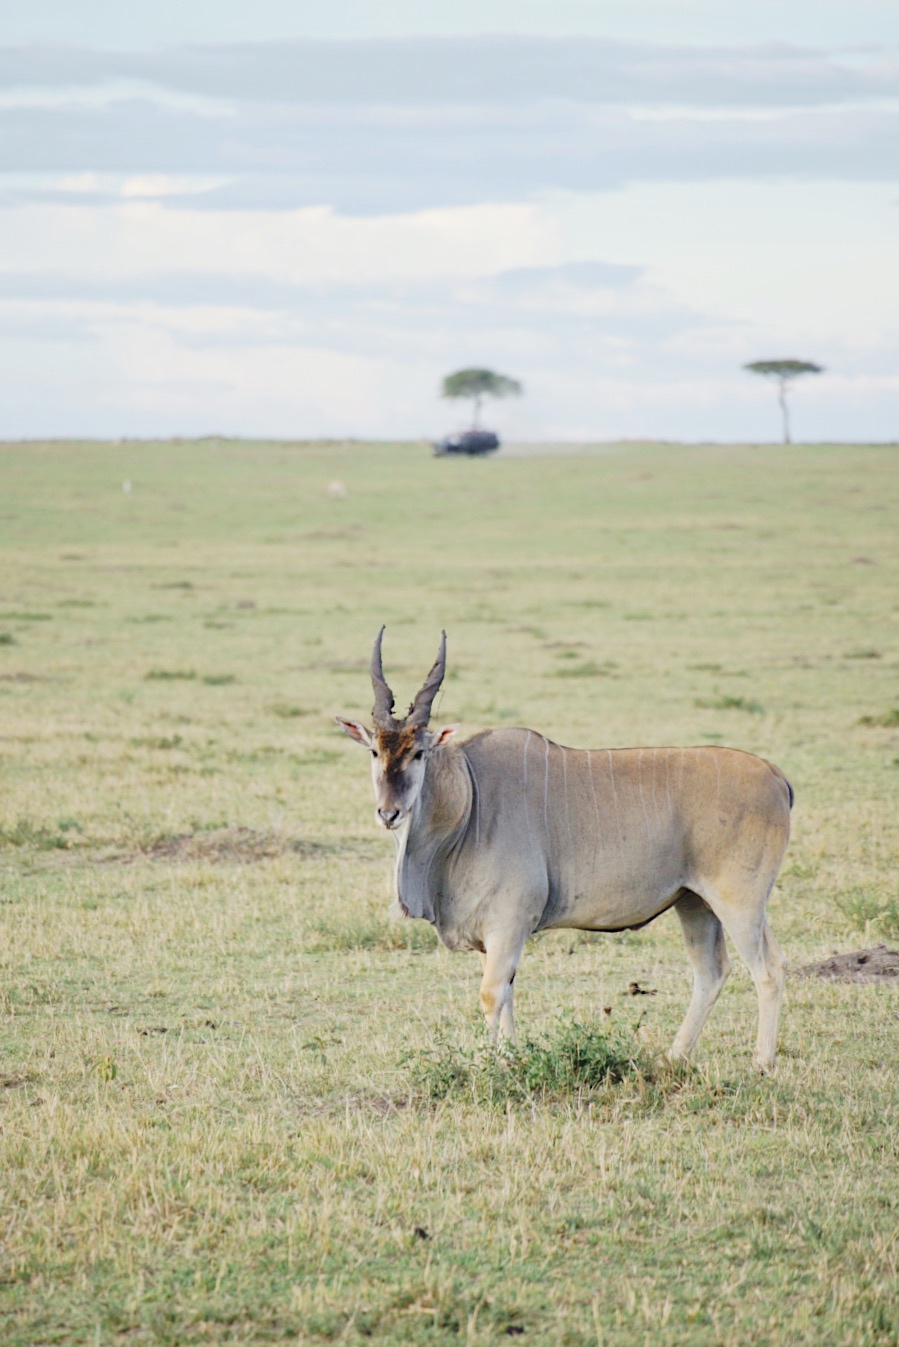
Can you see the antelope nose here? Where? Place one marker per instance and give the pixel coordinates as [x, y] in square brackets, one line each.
[388, 816]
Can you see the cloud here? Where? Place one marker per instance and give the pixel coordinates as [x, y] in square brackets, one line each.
[46, 323]
[565, 287]
[498, 70]
[276, 158]
[368, 363]
[301, 238]
[153, 373]
[357, 356]
[575, 313]
[314, 246]
[381, 127]
[425, 293]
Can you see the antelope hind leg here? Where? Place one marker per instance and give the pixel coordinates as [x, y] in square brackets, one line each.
[748, 928]
[755, 943]
[704, 938]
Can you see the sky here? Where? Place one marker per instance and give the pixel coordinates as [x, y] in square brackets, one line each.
[290, 219]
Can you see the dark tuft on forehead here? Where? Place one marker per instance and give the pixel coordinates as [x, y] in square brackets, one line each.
[393, 743]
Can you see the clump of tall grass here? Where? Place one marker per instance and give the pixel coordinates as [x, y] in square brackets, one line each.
[38, 837]
[369, 931]
[730, 703]
[887, 720]
[588, 669]
[573, 1060]
[868, 911]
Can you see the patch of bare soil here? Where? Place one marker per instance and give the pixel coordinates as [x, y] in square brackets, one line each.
[861, 965]
[237, 846]
[227, 846]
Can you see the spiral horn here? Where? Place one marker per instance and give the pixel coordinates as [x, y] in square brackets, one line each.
[420, 710]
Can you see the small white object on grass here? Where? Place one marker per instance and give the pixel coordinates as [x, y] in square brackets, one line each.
[126, 487]
[337, 490]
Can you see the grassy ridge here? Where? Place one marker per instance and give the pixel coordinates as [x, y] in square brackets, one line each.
[211, 1122]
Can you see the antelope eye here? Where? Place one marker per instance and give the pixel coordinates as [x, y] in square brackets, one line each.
[374, 752]
[419, 754]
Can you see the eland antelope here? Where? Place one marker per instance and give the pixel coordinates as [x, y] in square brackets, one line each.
[507, 833]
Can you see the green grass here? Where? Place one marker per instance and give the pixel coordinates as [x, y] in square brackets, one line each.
[574, 1063]
[238, 1104]
[872, 911]
[730, 703]
[888, 720]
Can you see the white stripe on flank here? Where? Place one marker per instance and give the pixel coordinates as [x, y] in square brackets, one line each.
[477, 811]
[572, 849]
[615, 798]
[527, 807]
[593, 787]
[546, 789]
[565, 791]
[596, 834]
[655, 794]
[640, 785]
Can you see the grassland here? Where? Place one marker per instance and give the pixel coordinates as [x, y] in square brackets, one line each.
[213, 1120]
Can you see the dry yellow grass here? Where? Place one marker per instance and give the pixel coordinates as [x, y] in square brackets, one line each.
[208, 1120]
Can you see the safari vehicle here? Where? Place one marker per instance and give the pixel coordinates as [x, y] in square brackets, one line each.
[467, 442]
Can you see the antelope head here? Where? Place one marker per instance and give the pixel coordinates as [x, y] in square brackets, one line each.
[400, 749]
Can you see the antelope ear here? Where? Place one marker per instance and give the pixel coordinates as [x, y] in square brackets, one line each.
[442, 736]
[356, 731]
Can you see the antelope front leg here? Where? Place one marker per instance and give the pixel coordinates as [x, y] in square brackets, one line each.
[499, 963]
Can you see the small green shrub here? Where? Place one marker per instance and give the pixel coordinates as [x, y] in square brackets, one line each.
[575, 1058]
[728, 703]
[589, 669]
[888, 720]
[104, 1066]
[871, 911]
[37, 837]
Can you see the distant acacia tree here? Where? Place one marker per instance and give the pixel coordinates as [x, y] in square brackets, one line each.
[785, 371]
[478, 384]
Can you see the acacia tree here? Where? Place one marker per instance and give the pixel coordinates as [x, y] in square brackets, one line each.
[479, 384]
[785, 371]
